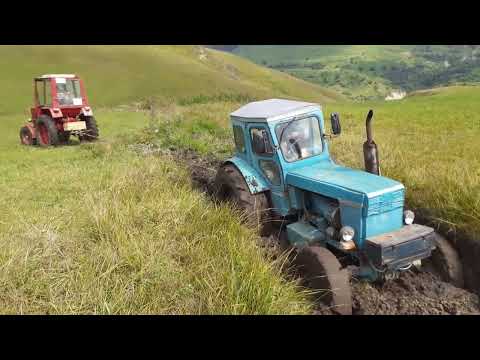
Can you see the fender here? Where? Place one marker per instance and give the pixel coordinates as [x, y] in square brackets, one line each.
[256, 183]
[87, 111]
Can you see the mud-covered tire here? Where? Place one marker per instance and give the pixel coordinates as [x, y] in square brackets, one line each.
[64, 137]
[46, 131]
[26, 136]
[91, 133]
[323, 272]
[447, 263]
[231, 186]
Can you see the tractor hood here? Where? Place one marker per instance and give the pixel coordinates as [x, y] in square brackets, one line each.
[342, 183]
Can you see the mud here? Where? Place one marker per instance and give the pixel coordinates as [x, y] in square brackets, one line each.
[415, 292]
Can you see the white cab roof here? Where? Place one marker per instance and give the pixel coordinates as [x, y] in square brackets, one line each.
[58, 76]
[273, 109]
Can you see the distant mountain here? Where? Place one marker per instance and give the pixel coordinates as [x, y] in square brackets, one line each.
[371, 71]
[223, 47]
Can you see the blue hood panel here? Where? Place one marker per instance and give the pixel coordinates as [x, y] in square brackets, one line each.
[340, 182]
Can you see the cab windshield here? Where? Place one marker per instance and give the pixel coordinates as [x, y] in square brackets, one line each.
[299, 139]
[68, 92]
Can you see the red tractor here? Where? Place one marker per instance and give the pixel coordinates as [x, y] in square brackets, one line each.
[60, 110]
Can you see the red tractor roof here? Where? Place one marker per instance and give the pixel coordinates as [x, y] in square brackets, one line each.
[50, 76]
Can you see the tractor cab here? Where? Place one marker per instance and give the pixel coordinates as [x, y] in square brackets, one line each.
[59, 91]
[60, 109]
[282, 173]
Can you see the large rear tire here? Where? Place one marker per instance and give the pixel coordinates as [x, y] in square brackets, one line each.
[323, 272]
[26, 136]
[91, 133]
[447, 263]
[231, 186]
[46, 131]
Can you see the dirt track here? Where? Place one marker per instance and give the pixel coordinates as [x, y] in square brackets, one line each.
[415, 292]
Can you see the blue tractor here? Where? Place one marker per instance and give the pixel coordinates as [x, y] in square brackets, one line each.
[330, 216]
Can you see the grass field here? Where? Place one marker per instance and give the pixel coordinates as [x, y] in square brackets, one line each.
[97, 228]
[101, 228]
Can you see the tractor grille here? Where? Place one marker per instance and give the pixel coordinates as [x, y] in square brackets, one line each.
[386, 202]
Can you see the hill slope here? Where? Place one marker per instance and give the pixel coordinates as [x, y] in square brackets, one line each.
[122, 74]
[370, 71]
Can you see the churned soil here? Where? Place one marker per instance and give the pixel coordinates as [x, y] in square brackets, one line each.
[414, 293]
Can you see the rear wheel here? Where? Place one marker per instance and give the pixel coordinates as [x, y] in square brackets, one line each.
[447, 263]
[26, 136]
[323, 272]
[91, 133]
[230, 185]
[46, 131]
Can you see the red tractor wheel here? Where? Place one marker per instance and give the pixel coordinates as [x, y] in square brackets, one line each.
[26, 136]
[47, 133]
[91, 132]
[323, 273]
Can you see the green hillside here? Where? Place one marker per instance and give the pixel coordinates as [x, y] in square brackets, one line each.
[371, 71]
[123, 74]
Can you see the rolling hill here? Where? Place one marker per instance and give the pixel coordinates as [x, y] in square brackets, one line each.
[122, 74]
[371, 71]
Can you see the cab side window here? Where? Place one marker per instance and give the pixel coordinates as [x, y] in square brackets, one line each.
[261, 142]
[239, 138]
[44, 92]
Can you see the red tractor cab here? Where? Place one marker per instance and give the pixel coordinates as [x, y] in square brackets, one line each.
[60, 110]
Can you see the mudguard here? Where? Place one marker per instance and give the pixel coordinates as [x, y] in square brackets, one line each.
[256, 183]
[87, 111]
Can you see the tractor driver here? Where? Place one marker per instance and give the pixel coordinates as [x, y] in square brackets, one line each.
[296, 141]
[63, 95]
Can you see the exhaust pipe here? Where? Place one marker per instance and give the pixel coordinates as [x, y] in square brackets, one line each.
[370, 151]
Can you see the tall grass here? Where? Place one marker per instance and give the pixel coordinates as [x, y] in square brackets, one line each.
[99, 229]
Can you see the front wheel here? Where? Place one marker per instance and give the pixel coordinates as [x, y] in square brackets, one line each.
[446, 261]
[26, 136]
[91, 133]
[323, 272]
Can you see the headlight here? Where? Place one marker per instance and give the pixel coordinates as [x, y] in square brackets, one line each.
[347, 233]
[408, 216]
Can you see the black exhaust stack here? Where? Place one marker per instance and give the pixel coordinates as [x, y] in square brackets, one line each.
[370, 151]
